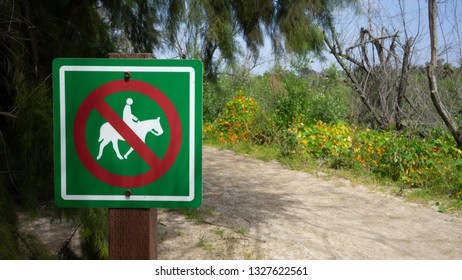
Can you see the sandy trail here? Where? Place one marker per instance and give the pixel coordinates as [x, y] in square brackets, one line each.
[254, 209]
[262, 210]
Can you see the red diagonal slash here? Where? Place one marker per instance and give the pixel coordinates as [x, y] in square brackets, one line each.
[127, 133]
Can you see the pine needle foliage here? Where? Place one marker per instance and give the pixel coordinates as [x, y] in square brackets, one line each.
[94, 233]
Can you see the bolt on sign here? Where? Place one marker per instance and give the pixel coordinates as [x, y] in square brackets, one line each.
[127, 133]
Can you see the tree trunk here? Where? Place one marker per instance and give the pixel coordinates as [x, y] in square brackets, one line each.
[32, 36]
[402, 87]
[440, 108]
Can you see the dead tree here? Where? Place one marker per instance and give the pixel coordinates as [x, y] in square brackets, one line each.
[378, 75]
[454, 129]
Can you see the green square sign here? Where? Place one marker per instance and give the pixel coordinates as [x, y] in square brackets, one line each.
[127, 133]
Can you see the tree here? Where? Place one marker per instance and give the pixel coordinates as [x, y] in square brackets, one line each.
[212, 27]
[33, 33]
[454, 129]
[377, 66]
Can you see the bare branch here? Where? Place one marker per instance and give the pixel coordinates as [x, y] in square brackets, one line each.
[356, 85]
[442, 111]
[372, 40]
[6, 114]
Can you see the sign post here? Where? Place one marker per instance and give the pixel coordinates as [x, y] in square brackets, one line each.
[128, 137]
[132, 232]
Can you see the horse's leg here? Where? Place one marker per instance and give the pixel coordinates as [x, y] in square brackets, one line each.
[138, 128]
[129, 152]
[115, 145]
[101, 148]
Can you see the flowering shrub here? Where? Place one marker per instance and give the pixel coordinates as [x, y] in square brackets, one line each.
[414, 162]
[237, 120]
[323, 140]
[434, 162]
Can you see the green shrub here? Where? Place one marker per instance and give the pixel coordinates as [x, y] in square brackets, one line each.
[214, 97]
[323, 140]
[434, 163]
[313, 97]
[237, 121]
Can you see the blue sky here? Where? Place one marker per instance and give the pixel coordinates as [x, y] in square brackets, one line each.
[409, 17]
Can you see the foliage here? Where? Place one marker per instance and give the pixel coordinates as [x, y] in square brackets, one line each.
[412, 161]
[9, 248]
[433, 162]
[135, 21]
[237, 120]
[32, 138]
[446, 116]
[94, 233]
[308, 97]
[33, 33]
[322, 140]
[209, 29]
[282, 97]
[33, 249]
[13, 244]
[306, 115]
[215, 96]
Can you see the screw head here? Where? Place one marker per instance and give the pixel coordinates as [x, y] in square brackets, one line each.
[127, 76]
[128, 193]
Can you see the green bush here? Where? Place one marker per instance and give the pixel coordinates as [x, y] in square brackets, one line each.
[237, 121]
[433, 163]
[313, 97]
[306, 115]
[214, 98]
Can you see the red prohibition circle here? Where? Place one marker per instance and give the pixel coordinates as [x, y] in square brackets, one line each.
[158, 167]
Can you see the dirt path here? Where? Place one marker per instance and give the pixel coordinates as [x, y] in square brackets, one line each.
[258, 210]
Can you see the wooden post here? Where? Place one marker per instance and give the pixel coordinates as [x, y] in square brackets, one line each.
[132, 232]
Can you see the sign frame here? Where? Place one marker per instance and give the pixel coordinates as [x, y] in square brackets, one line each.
[128, 197]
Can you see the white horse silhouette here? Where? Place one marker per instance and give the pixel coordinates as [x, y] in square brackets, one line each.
[108, 134]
